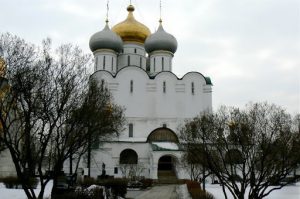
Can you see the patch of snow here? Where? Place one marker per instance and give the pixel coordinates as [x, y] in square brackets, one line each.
[166, 145]
[92, 187]
[133, 139]
[290, 192]
[183, 192]
[20, 194]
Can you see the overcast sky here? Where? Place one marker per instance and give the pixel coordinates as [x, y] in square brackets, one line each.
[249, 48]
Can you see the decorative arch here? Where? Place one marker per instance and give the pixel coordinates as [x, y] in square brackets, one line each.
[128, 156]
[162, 135]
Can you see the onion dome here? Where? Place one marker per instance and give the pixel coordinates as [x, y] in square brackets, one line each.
[130, 30]
[2, 67]
[106, 39]
[161, 40]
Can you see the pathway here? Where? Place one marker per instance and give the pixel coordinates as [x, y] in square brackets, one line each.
[157, 192]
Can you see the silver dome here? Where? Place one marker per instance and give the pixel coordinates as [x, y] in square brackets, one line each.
[106, 39]
[161, 40]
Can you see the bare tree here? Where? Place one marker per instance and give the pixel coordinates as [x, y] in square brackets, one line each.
[46, 116]
[194, 160]
[132, 171]
[255, 149]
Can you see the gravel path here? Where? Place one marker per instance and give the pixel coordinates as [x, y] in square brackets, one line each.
[160, 192]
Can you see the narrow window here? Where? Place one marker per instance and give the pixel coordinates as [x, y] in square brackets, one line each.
[193, 88]
[135, 50]
[104, 63]
[131, 86]
[165, 125]
[140, 61]
[163, 64]
[112, 64]
[96, 63]
[154, 64]
[130, 130]
[102, 84]
[164, 87]
[128, 60]
[116, 170]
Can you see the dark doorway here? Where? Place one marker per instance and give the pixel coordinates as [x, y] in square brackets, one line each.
[166, 170]
[165, 163]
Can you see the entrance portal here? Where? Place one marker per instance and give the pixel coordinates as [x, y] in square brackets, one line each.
[165, 163]
[166, 169]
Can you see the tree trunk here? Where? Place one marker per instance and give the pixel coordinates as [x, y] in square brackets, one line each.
[71, 164]
[224, 191]
[56, 172]
[203, 177]
[42, 191]
[89, 156]
[28, 194]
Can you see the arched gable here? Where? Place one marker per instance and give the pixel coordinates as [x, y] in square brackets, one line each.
[162, 135]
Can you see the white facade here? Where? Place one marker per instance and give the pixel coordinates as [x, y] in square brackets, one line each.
[154, 98]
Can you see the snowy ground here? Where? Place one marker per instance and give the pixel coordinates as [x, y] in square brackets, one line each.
[289, 192]
[20, 194]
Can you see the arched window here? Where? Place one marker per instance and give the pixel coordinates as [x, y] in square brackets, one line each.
[128, 60]
[193, 88]
[131, 86]
[135, 50]
[104, 63]
[130, 128]
[163, 63]
[112, 64]
[128, 156]
[154, 64]
[164, 87]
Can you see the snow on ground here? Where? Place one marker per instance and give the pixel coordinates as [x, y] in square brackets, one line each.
[183, 192]
[20, 194]
[289, 192]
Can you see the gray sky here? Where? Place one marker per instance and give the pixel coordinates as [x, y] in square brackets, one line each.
[249, 48]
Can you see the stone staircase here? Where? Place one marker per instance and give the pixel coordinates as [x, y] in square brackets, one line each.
[167, 177]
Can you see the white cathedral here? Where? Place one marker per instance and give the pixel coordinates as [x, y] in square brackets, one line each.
[136, 67]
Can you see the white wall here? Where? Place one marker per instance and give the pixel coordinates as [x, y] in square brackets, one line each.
[148, 107]
[7, 167]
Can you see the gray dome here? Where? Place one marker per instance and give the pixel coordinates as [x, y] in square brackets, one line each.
[161, 40]
[106, 39]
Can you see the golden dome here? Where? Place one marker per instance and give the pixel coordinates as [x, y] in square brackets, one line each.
[2, 67]
[130, 30]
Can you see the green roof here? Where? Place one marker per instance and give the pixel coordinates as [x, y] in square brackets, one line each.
[208, 81]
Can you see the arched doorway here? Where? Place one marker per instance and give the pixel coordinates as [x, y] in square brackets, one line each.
[128, 164]
[165, 163]
[166, 169]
